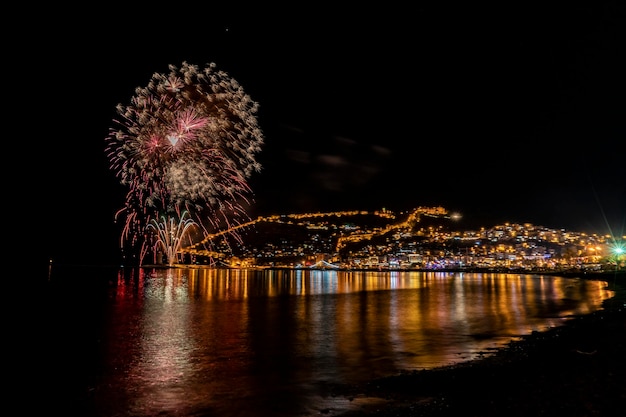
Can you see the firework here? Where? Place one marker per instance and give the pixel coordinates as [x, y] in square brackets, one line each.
[170, 235]
[186, 142]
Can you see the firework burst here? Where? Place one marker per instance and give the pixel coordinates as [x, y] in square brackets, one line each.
[186, 142]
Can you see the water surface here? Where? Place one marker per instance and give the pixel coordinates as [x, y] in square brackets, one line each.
[214, 342]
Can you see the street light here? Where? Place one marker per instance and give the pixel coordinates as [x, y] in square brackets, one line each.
[617, 249]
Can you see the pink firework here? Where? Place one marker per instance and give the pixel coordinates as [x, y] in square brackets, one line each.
[187, 142]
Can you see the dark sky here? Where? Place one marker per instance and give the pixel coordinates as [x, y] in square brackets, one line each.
[507, 113]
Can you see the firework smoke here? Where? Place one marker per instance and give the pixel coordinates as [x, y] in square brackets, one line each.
[186, 142]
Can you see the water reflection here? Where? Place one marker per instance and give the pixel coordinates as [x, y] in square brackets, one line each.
[246, 342]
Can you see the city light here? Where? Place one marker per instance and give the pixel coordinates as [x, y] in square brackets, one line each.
[401, 242]
[618, 249]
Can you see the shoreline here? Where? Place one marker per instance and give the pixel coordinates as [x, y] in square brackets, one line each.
[569, 273]
[577, 370]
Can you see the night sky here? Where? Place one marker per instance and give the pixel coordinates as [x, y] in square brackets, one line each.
[514, 113]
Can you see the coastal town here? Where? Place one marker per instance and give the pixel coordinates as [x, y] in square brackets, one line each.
[425, 238]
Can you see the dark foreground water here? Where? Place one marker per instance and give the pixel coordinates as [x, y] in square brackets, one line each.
[207, 342]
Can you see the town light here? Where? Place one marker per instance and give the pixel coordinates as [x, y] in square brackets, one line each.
[618, 249]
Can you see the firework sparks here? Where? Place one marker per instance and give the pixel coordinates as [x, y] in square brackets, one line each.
[186, 142]
[170, 235]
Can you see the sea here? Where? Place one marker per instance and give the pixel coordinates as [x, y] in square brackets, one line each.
[195, 342]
